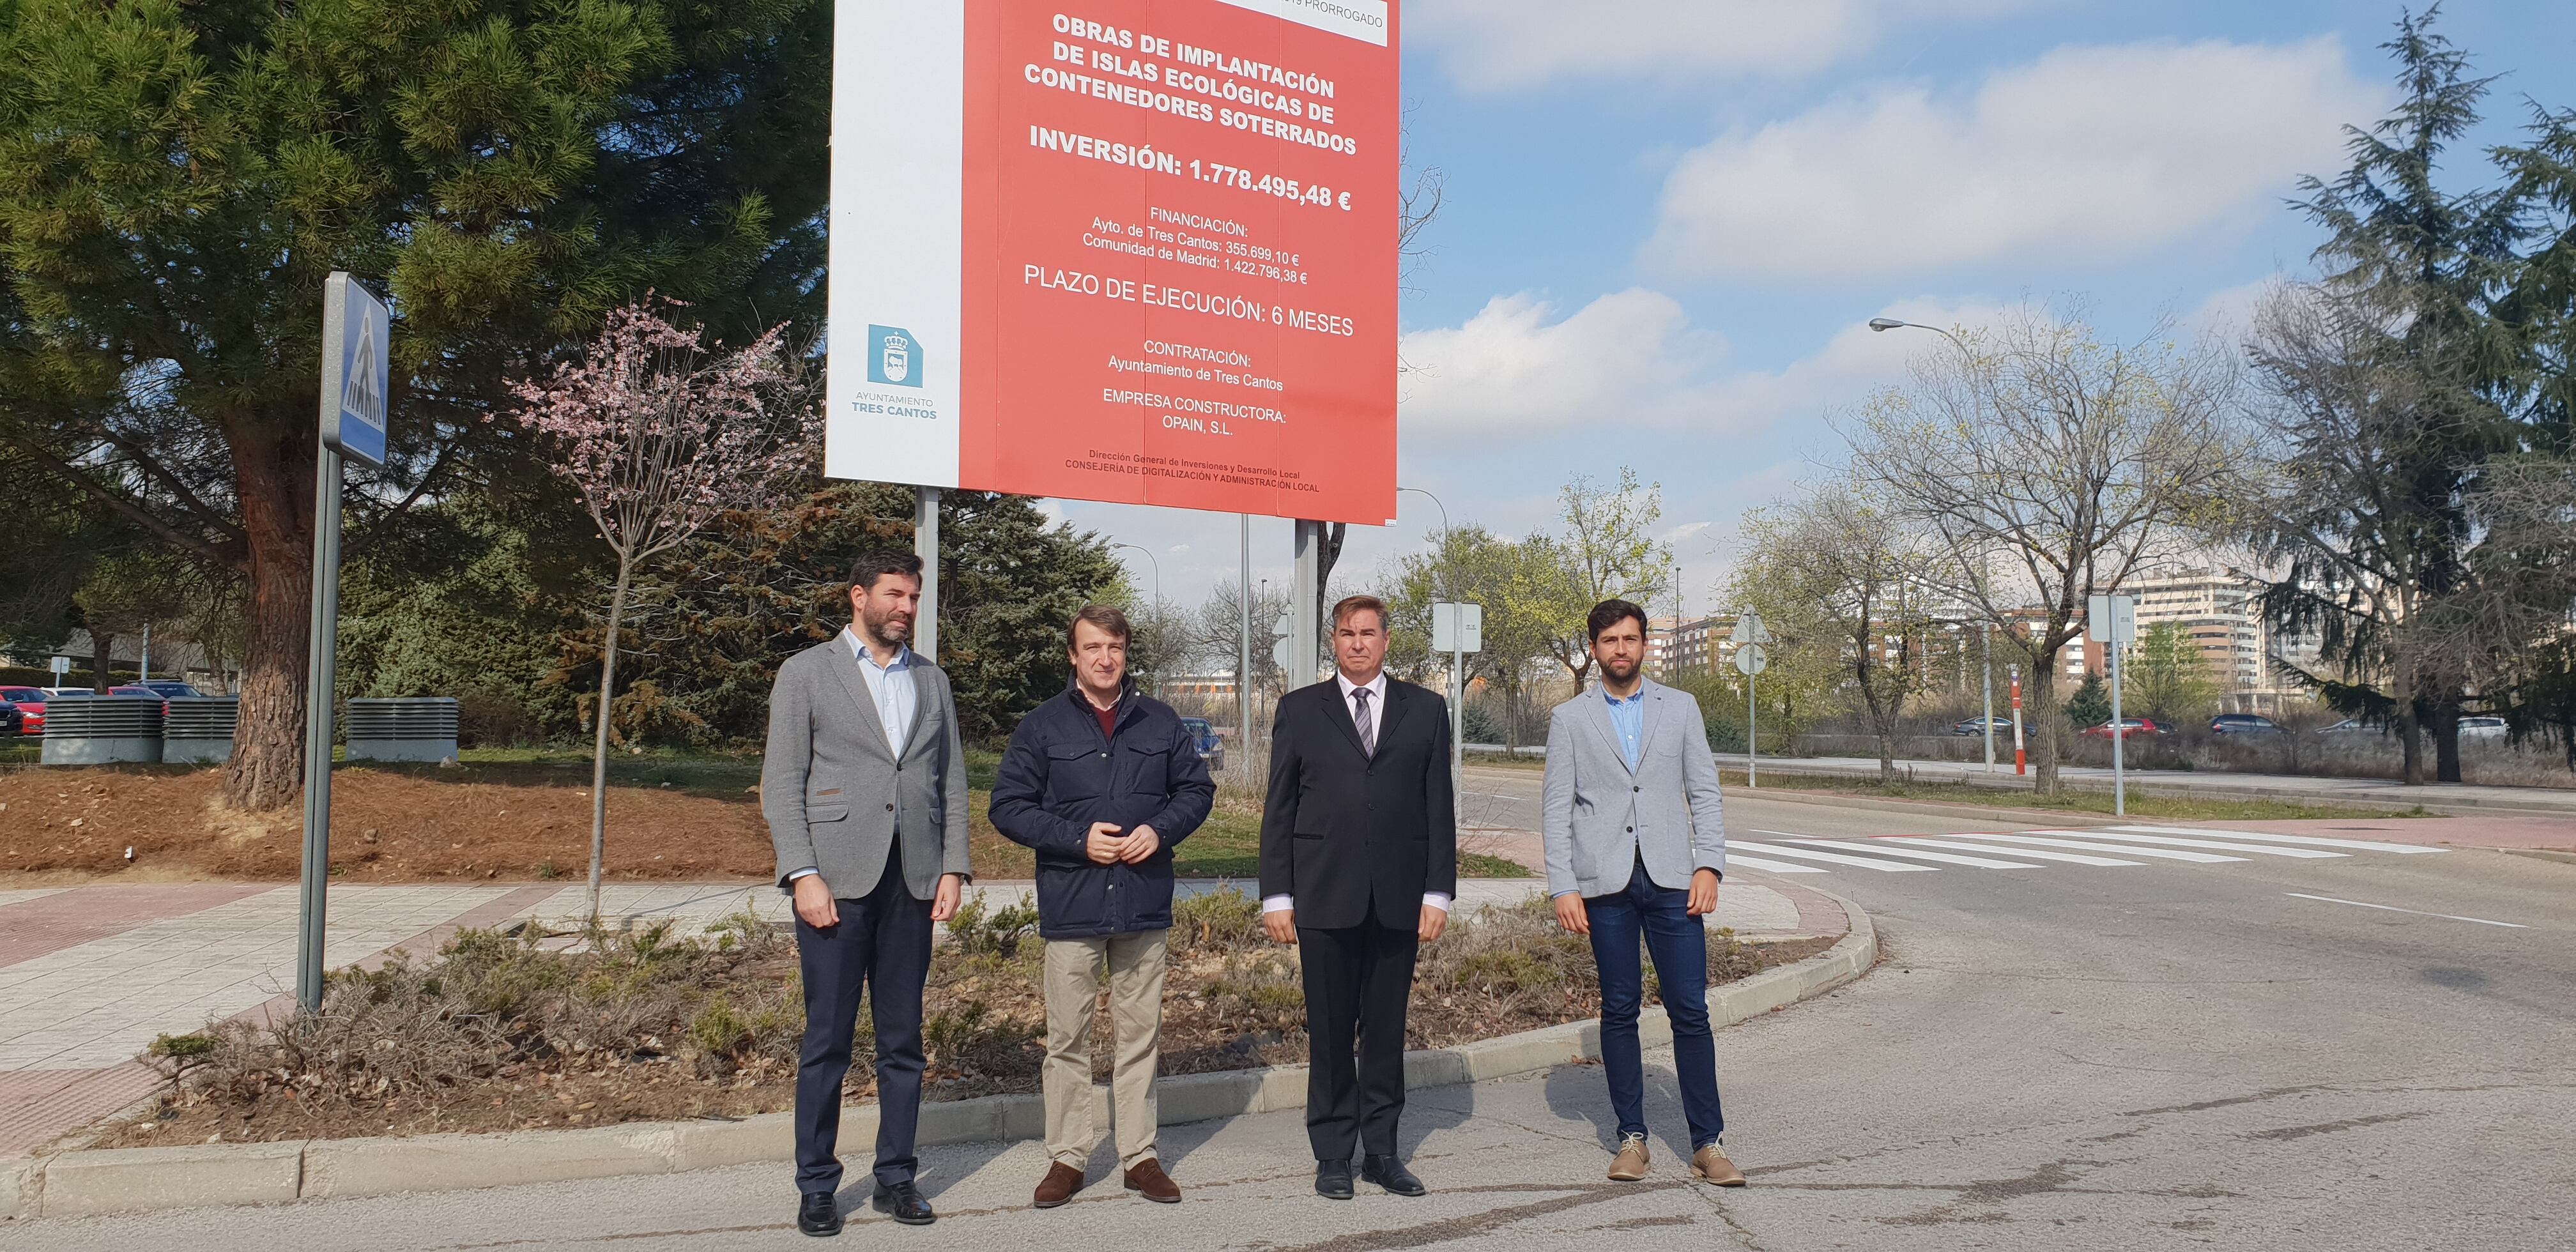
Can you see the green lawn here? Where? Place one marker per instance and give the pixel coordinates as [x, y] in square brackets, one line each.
[2142, 803]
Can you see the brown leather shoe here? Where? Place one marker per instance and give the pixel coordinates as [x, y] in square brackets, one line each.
[1709, 1164]
[1149, 1180]
[1631, 1163]
[1061, 1182]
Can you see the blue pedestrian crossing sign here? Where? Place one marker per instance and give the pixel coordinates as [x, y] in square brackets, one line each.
[356, 330]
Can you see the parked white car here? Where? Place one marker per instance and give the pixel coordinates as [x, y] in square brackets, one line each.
[2482, 728]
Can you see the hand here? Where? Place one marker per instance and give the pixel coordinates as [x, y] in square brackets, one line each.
[1570, 914]
[1282, 926]
[814, 903]
[943, 903]
[1142, 844]
[1434, 920]
[1703, 895]
[1103, 844]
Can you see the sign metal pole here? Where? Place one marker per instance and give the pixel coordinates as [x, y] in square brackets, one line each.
[925, 544]
[1987, 633]
[356, 335]
[1243, 664]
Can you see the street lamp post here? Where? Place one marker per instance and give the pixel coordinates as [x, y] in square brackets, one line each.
[1156, 566]
[1457, 657]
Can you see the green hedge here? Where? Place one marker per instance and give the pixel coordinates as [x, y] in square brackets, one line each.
[24, 676]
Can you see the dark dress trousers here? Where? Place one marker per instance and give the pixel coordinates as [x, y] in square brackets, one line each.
[1357, 839]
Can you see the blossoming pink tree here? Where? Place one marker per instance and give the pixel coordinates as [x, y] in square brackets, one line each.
[660, 434]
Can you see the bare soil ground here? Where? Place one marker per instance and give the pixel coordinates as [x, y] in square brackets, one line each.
[499, 1034]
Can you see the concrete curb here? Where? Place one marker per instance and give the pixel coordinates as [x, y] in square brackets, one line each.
[138, 1179]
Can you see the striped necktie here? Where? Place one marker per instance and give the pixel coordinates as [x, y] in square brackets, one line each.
[1367, 724]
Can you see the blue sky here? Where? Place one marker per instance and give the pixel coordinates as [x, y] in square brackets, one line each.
[1667, 220]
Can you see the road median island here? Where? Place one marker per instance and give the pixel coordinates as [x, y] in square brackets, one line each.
[1503, 994]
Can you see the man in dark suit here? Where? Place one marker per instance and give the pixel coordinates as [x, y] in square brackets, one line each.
[864, 786]
[1359, 864]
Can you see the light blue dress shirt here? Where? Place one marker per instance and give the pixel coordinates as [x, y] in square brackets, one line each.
[898, 702]
[1628, 717]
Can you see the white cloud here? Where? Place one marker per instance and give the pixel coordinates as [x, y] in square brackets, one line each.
[1502, 44]
[1519, 369]
[2086, 152]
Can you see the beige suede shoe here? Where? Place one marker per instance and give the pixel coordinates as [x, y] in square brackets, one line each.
[1631, 1165]
[1710, 1165]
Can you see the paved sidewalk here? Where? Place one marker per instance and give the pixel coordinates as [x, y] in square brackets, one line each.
[90, 975]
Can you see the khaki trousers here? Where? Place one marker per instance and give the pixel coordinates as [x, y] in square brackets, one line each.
[1074, 968]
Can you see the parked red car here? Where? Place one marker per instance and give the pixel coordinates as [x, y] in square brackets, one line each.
[2130, 728]
[31, 702]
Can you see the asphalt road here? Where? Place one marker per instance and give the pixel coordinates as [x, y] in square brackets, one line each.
[2166, 1053]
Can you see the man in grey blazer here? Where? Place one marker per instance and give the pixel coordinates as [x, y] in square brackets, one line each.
[1636, 845]
[864, 786]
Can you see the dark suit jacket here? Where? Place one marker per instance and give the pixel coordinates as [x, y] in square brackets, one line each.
[1343, 830]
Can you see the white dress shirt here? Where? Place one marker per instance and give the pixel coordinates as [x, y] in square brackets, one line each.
[1376, 687]
[898, 701]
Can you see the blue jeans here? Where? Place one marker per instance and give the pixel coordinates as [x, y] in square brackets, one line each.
[1679, 944]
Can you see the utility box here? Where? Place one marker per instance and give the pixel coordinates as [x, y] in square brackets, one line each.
[200, 731]
[412, 728]
[103, 730]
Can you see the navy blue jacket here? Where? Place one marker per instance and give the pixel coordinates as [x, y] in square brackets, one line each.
[1060, 775]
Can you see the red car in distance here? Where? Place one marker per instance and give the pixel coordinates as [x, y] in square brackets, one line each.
[2130, 728]
[31, 702]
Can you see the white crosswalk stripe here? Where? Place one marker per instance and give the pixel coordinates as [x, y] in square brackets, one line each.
[2319, 841]
[2075, 858]
[1776, 867]
[1789, 852]
[2045, 839]
[1887, 847]
[1807, 854]
[2212, 845]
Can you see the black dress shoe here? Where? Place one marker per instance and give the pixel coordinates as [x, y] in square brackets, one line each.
[1333, 1179]
[903, 1202]
[1390, 1173]
[816, 1216]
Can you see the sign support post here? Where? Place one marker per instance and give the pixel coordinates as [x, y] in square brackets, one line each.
[2021, 759]
[1306, 606]
[925, 544]
[1750, 660]
[1243, 664]
[356, 331]
[2113, 620]
[1457, 629]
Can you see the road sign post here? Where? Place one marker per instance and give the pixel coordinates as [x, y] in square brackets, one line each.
[2114, 621]
[1457, 629]
[1751, 658]
[356, 331]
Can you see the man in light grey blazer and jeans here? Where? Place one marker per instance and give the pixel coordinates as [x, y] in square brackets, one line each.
[1636, 845]
[864, 786]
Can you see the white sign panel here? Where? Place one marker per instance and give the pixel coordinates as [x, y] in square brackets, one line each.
[2111, 619]
[1457, 628]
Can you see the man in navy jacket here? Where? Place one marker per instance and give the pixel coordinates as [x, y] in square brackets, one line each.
[1102, 783]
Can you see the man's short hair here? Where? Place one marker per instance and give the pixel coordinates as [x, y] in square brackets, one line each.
[1610, 613]
[872, 566]
[1106, 617]
[1348, 605]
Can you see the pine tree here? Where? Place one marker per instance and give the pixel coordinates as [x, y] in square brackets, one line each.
[181, 177]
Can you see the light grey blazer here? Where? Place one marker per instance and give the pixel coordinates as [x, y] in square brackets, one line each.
[829, 781]
[1598, 815]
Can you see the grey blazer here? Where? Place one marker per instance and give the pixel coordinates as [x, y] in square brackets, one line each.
[829, 781]
[1598, 816]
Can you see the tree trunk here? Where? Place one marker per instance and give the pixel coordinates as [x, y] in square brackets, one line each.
[274, 475]
[102, 652]
[2039, 725]
[2446, 738]
[599, 744]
